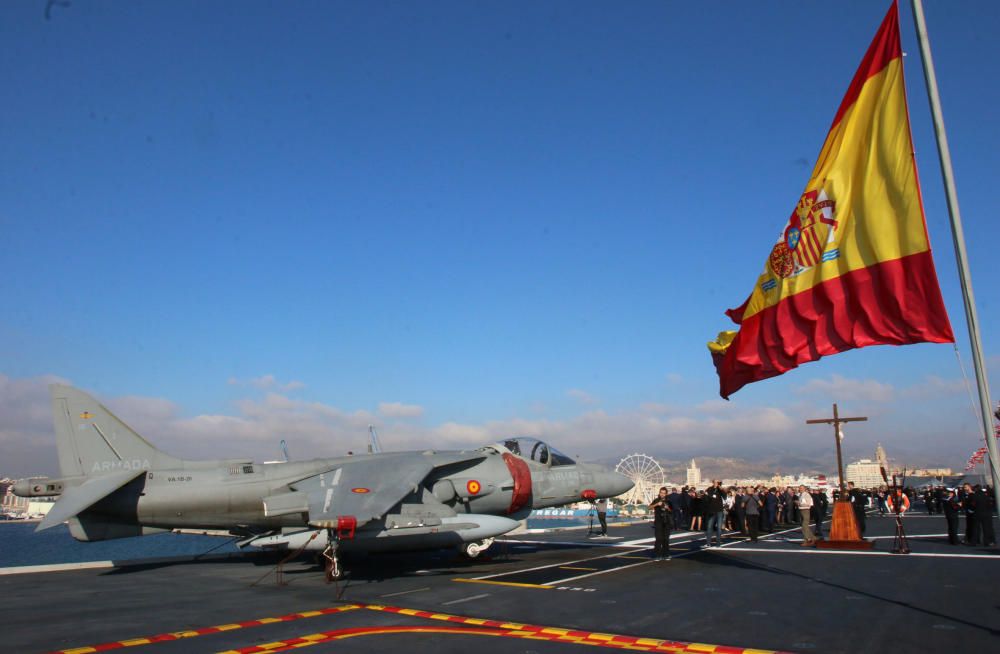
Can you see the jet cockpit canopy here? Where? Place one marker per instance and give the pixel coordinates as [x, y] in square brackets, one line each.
[535, 450]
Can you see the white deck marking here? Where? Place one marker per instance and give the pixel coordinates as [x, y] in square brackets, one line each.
[601, 572]
[633, 550]
[865, 553]
[632, 565]
[465, 599]
[406, 592]
[550, 565]
[56, 567]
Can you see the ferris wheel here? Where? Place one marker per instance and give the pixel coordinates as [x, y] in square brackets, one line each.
[645, 473]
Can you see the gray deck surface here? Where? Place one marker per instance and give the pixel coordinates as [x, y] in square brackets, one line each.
[772, 595]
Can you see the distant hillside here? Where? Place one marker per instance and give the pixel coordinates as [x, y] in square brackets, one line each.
[738, 468]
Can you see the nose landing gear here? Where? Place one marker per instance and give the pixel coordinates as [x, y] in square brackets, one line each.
[475, 548]
[331, 563]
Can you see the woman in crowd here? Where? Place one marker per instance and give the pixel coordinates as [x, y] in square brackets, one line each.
[696, 504]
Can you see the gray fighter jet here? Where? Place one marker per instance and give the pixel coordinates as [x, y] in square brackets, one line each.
[115, 484]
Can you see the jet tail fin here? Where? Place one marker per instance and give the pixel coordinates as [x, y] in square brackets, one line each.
[92, 441]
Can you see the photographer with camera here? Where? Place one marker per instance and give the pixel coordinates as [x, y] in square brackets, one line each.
[662, 519]
[715, 513]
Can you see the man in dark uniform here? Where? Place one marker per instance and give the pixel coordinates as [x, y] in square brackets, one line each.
[951, 505]
[983, 514]
[820, 504]
[739, 510]
[938, 499]
[661, 525]
[686, 511]
[770, 510]
[858, 503]
[969, 506]
[751, 511]
[677, 508]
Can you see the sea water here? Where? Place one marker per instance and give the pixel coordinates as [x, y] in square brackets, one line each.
[21, 545]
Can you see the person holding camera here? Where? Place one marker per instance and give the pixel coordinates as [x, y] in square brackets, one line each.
[602, 515]
[715, 513]
[662, 519]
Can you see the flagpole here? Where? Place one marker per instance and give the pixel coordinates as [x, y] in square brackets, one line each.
[959, 239]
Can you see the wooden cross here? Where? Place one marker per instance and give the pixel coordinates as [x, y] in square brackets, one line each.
[836, 421]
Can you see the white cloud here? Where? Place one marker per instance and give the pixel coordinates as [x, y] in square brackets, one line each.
[934, 387]
[255, 425]
[655, 407]
[581, 396]
[399, 410]
[25, 410]
[675, 378]
[267, 382]
[844, 389]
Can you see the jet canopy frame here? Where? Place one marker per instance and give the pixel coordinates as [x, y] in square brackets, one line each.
[535, 450]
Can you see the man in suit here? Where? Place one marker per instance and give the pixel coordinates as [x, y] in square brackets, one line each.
[791, 514]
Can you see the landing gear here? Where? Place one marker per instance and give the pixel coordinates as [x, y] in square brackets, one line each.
[331, 564]
[475, 548]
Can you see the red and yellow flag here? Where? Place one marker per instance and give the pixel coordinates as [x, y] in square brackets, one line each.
[852, 266]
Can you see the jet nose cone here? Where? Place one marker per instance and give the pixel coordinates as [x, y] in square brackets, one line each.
[619, 484]
[612, 484]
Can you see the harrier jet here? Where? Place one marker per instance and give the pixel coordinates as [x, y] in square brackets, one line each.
[114, 484]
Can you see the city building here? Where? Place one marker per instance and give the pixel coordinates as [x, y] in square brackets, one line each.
[693, 475]
[9, 502]
[930, 472]
[864, 473]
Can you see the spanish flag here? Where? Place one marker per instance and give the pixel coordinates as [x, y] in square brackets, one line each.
[852, 266]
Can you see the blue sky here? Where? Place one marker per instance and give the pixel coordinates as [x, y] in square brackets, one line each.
[233, 221]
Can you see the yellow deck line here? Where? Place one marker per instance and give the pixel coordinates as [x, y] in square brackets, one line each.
[502, 583]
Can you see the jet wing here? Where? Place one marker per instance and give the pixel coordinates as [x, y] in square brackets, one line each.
[365, 489]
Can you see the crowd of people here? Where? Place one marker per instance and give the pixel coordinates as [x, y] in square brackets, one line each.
[752, 510]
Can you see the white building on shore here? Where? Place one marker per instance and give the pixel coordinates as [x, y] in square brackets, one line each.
[693, 475]
[864, 473]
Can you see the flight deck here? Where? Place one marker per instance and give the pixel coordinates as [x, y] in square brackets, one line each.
[536, 592]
